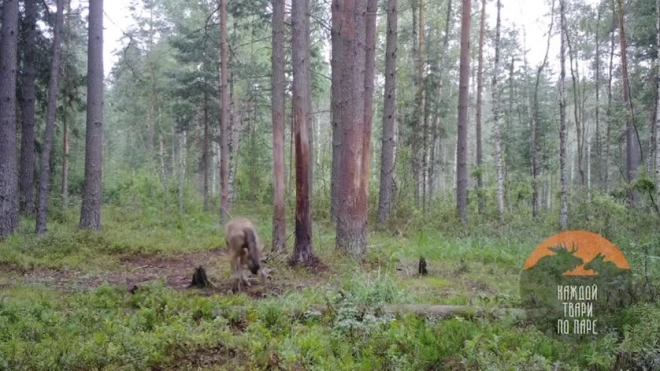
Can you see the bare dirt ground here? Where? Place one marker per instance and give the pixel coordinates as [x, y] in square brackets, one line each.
[137, 270]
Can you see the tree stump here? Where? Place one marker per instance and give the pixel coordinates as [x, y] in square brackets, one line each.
[200, 280]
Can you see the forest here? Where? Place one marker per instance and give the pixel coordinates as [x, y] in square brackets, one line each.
[429, 182]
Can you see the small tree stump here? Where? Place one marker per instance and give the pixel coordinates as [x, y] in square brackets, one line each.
[200, 280]
[422, 267]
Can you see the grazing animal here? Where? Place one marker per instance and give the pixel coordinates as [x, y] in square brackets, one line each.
[603, 268]
[242, 243]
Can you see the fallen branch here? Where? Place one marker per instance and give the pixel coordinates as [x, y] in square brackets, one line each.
[436, 311]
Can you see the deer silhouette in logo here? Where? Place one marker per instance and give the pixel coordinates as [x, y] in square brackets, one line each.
[556, 265]
[603, 268]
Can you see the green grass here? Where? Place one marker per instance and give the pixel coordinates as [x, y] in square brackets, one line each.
[477, 264]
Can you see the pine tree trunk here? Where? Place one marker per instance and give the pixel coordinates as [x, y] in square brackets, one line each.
[370, 70]
[599, 170]
[499, 161]
[536, 118]
[183, 144]
[277, 99]
[336, 105]
[90, 215]
[656, 126]
[563, 217]
[53, 89]
[205, 155]
[8, 160]
[461, 144]
[224, 116]
[65, 160]
[389, 116]
[633, 157]
[26, 176]
[480, 73]
[302, 252]
[352, 213]
[610, 113]
[163, 169]
[576, 107]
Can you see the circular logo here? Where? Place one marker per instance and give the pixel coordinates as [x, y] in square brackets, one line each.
[575, 283]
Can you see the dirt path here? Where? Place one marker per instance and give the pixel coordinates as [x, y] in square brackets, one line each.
[176, 270]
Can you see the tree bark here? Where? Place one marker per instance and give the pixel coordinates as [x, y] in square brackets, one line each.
[536, 118]
[563, 217]
[461, 143]
[277, 99]
[597, 111]
[26, 176]
[418, 39]
[302, 252]
[53, 89]
[336, 105]
[480, 72]
[205, 155]
[8, 160]
[90, 214]
[224, 115]
[370, 70]
[656, 126]
[352, 215]
[633, 156]
[499, 166]
[606, 158]
[389, 116]
[575, 78]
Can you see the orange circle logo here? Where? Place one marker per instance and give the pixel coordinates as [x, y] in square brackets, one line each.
[592, 249]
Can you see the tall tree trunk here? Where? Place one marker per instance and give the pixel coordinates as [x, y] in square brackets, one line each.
[65, 159]
[224, 115]
[599, 169]
[336, 105]
[437, 123]
[656, 126]
[8, 160]
[205, 156]
[461, 143]
[610, 113]
[277, 99]
[480, 85]
[352, 215]
[418, 39]
[302, 252]
[152, 82]
[537, 117]
[182, 139]
[90, 214]
[576, 106]
[389, 116]
[633, 156]
[26, 176]
[370, 70]
[563, 217]
[163, 169]
[53, 89]
[499, 161]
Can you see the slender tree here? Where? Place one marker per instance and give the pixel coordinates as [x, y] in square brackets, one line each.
[657, 105]
[90, 214]
[499, 161]
[205, 155]
[633, 156]
[28, 99]
[224, 115]
[563, 217]
[536, 118]
[608, 129]
[389, 116]
[480, 73]
[352, 213]
[8, 165]
[464, 81]
[53, 89]
[277, 110]
[302, 252]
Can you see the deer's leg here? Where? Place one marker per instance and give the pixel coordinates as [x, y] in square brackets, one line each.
[243, 263]
[237, 273]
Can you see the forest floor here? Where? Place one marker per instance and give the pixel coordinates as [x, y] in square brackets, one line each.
[119, 299]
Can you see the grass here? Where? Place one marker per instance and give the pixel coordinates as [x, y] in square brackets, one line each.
[159, 327]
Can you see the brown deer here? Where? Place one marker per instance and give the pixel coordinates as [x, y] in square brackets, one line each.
[243, 246]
